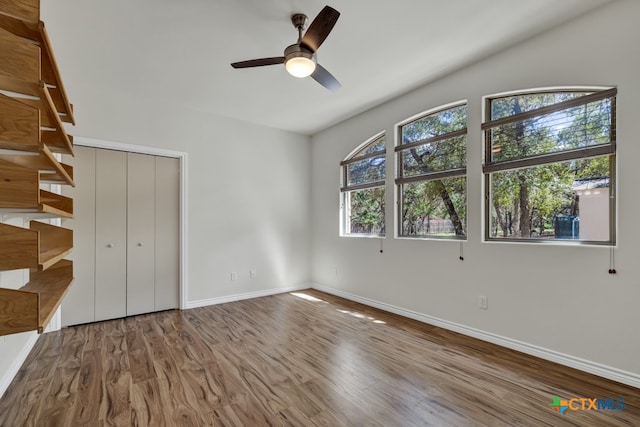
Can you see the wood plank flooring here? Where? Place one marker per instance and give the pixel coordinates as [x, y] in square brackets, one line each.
[301, 359]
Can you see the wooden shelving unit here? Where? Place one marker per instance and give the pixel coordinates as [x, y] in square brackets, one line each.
[33, 107]
[20, 192]
[49, 72]
[50, 169]
[31, 307]
[37, 247]
[30, 115]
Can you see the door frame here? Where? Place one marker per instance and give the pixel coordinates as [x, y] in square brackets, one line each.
[154, 151]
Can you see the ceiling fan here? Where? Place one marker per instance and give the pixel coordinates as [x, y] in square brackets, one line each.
[300, 58]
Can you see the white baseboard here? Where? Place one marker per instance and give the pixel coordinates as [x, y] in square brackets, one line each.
[5, 382]
[246, 295]
[604, 371]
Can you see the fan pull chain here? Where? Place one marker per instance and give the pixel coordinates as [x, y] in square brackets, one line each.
[381, 249]
[461, 252]
[612, 260]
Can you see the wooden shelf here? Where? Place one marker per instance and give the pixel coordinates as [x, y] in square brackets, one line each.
[49, 72]
[22, 78]
[31, 307]
[25, 10]
[38, 247]
[51, 170]
[20, 192]
[27, 122]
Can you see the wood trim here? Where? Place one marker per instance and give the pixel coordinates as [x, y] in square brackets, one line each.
[61, 142]
[18, 248]
[596, 96]
[27, 10]
[19, 125]
[20, 58]
[50, 169]
[54, 243]
[19, 186]
[31, 307]
[38, 247]
[51, 75]
[19, 27]
[55, 204]
[19, 86]
[23, 119]
[52, 286]
[18, 311]
[48, 69]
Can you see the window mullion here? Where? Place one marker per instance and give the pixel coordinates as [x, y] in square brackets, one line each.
[451, 173]
[364, 157]
[544, 159]
[586, 99]
[450, 135]
[362, 186]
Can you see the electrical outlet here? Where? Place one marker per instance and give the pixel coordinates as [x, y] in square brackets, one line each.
[483, 302]
[252, 273]
[234, 276]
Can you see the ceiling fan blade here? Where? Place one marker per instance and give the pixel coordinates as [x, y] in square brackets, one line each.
[320, 28]
[325, 78]
[259, 62]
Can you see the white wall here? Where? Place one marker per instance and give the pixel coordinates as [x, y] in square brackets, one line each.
[558, 298]
[248, 188]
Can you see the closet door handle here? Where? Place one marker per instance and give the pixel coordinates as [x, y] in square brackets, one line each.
[110, 245]
[140, 244]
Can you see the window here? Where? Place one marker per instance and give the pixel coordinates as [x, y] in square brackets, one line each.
[432, 185]
[550, 166]
[363, 180]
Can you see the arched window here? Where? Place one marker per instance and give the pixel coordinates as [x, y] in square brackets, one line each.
[362, 190]
[432, 167]
[550, 166]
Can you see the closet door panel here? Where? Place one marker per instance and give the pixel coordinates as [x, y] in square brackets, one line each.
[79, 304]
[140, 234]
[111, 234]
[167, 208]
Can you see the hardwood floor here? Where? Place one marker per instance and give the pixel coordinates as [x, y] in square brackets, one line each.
[302, 359]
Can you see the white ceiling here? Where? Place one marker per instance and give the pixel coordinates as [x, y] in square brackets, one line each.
[179, 51]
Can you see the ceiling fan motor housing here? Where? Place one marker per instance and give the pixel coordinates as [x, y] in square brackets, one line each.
[295, 51]
[299, 20]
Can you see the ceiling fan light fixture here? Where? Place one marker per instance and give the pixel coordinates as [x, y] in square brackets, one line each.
[298, 61]
[300, 66]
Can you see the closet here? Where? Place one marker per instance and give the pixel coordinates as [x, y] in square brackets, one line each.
[126, 230]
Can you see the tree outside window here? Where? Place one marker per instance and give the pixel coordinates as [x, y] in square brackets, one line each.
[549, 166]
[432, 185]
[363, 192]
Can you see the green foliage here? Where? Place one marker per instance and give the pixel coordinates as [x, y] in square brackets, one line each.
[524, 203]
[366, 208]
[434, 207]
[424, 211]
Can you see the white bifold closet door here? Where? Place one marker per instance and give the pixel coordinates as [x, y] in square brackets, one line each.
[111, 236]
[126, 227]
[141, 231]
